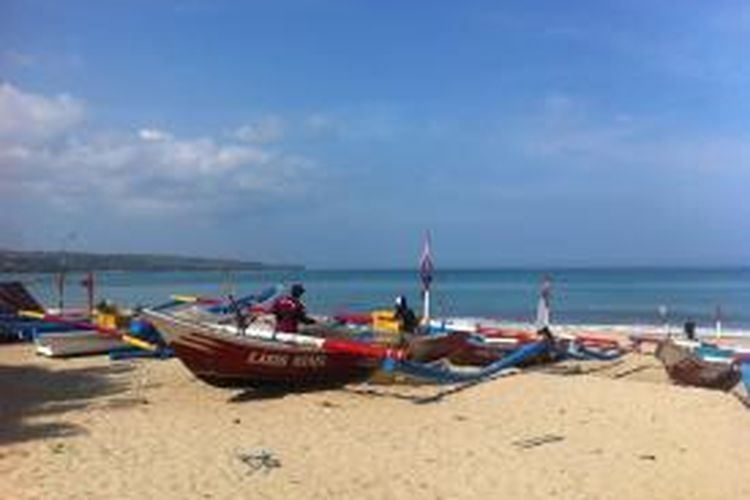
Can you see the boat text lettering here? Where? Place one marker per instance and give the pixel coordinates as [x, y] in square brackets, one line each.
[309, 361]
[267, 359]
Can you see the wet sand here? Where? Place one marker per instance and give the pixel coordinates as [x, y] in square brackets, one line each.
[91, 428]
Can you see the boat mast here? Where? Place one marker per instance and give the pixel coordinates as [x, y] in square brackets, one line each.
[60, 282]
[88, 283]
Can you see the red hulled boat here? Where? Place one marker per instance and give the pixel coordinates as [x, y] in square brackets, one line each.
[225, 356]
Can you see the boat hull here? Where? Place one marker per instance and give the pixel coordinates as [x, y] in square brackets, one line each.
[75, 343]
[685, 367]
[226, 360]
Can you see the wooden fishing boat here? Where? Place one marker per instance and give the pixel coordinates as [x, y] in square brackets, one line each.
[460, 348]
[420, 348]
[426, 348]
[226, 356]
[107, 328]
[688, 368]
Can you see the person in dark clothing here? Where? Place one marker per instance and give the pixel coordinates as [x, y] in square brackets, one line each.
[690, 329]
[406, 318]
[290, 311]
[553, 352]
[546, 334]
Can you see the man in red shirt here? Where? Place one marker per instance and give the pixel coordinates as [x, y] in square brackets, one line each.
[290, 311]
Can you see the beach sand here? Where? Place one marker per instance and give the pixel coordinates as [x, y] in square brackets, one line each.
[91, 428]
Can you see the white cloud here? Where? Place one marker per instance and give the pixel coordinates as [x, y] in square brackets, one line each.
[32, 117]
[130, 171]
[266, 130]
[568, 132]
[155, 135]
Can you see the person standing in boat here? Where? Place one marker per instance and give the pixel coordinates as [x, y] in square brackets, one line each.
[407, 320]
[690, 329]
[290, 311]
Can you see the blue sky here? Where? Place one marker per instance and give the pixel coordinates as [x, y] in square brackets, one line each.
[334, 133]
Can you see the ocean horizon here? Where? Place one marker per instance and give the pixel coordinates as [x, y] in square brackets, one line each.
[607, 295]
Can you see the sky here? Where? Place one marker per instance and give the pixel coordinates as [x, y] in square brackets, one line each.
[335, 133]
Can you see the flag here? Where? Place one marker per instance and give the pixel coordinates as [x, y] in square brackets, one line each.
[426, 267]
[543, 307]
[88, 281]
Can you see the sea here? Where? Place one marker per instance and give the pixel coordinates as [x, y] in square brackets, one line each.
[597, 296]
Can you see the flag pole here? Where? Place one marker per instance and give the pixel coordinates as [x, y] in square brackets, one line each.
[718, 321]
[426, 312]
[88, 284]
[60, 282]
[426, 269]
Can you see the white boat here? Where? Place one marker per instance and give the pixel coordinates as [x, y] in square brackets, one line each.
[76, 343]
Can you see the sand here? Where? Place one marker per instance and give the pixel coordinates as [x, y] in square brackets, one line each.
[89, 428]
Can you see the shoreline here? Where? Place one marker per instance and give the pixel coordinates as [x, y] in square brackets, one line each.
[618, 329]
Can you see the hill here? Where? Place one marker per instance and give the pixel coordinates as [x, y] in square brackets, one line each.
[42, 261]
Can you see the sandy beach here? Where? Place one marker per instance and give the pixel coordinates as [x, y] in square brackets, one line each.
[535, 199]
[91, 428]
